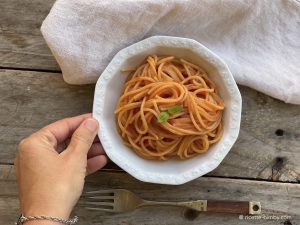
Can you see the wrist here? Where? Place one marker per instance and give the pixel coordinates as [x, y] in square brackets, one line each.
[41, 222]
[45, 220]
[47, 211]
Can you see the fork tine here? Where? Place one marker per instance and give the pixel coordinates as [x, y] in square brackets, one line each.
[111, 192]
[100, 203]
[99, 209]
[101, 197]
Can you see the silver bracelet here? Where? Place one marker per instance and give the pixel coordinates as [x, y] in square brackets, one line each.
[22, 219]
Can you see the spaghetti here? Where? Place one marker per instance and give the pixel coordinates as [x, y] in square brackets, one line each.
[169, 107]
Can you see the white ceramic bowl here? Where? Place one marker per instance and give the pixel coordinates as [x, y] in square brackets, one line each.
[107, 93]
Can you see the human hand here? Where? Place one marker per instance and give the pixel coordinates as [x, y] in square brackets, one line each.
[51, 176]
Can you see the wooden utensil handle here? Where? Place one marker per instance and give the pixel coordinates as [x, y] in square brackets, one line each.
[240, 207]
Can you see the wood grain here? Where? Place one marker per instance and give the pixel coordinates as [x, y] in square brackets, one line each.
[278, 200]
[30, 100]
[241, 207]
[21, 42]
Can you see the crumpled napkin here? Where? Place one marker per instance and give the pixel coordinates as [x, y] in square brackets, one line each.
[258, 39]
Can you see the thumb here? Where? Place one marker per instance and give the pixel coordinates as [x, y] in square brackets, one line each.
[83, 137]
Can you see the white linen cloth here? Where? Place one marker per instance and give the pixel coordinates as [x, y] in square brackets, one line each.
[258, 39]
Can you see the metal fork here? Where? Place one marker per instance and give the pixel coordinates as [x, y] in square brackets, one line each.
[121, 200]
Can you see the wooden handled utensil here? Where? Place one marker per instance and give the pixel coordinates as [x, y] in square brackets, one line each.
[121, 200]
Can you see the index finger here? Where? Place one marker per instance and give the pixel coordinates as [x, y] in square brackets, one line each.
[63, 129]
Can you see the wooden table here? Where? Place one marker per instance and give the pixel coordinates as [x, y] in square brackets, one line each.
[263, 165]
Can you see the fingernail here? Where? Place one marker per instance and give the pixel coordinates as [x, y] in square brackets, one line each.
[91, 124]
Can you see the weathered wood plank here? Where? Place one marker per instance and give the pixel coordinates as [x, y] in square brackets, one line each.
[21, 42]
[21, 113]
[30, 100]
[277, 199]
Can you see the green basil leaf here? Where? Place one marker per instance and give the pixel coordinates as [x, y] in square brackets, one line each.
[176, 109]
[163, 117]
